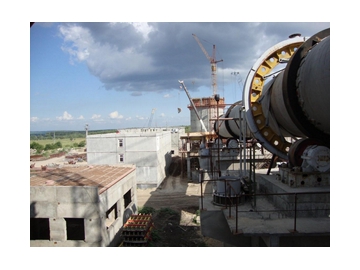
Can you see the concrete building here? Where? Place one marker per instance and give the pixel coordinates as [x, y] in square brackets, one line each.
[208, 110]
[81, 206]
[149, 149]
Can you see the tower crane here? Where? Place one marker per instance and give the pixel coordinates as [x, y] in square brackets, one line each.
[213, 63]
[151, 117]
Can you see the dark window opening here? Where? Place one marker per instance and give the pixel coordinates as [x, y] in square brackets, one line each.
[127, 198]
[111, 215]
[39, 229]
[121, 142]
[121, 158]
[75, 229]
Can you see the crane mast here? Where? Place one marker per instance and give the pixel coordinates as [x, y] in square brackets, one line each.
[192, 103]
[151, 117]
[213, 63]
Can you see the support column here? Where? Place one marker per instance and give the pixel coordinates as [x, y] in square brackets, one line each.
[271, 241]
[57, 229]
[188, 168]
[255, 241]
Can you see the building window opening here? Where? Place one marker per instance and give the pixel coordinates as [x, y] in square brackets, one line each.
[121, 157]
[111, 215]
[121, 142]
[39, 229]
[75, 228]
[127, 198]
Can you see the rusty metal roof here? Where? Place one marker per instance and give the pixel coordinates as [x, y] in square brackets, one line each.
[102, 176]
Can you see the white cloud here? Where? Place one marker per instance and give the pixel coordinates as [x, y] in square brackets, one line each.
[80, 39]
[166, 95]
[142, 57]
[81, 117]
[34, 119]
[144, 28]
[116, 115]
[105, 60]
[96, 117]
[66, 116]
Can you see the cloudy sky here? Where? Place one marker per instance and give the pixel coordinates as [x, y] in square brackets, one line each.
[112, 75]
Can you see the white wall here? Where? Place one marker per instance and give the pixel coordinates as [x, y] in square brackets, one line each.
[149, 151]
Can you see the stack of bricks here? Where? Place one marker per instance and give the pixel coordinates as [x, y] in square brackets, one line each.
[137, 230]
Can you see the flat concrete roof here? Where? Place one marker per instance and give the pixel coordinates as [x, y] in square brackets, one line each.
[101, 176]
[146, 132]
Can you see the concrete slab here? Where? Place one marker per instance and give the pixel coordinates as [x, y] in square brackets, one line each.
[240, 225]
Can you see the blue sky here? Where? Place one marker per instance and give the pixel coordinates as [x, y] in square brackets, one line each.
[111, 75]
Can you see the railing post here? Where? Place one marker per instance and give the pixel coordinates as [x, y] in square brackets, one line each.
[295, 212]
[236, 213]
[229, 201]
[225, 185]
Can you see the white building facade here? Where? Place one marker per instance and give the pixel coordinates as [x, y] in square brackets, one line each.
[148, 149]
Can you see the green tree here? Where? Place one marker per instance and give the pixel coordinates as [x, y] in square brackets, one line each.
[37, 146]
[82, 144]
[58, 144]
[49, 147]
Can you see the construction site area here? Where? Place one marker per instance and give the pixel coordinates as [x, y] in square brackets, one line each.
[255, 173]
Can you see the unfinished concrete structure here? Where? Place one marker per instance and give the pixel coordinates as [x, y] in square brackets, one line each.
[207, 108]
[148, 149]
[81, 206]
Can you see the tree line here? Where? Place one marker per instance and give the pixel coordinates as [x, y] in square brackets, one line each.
[46, 135]
[52, 146]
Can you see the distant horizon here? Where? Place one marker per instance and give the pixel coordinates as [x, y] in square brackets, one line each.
[73, 130]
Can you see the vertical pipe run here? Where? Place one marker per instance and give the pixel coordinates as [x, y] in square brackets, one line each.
[254, 179]
[250, 163]
[244, 137]
[240, 150]
[182, 164]
[201, 179]
[217, 98]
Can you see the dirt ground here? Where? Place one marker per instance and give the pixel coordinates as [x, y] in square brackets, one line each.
[176, 217]
[175, 205]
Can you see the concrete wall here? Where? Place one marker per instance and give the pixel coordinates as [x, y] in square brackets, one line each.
[59, 202]
[205, 114]
[114, 195]
[149, 151]
[307, 204]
